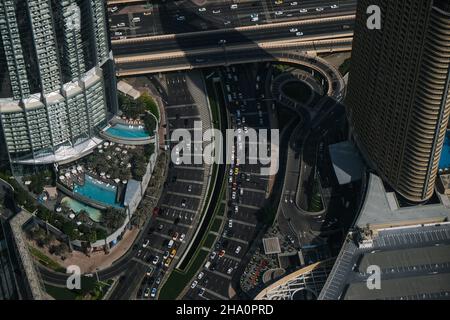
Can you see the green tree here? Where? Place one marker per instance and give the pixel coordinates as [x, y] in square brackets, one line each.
[69, 229]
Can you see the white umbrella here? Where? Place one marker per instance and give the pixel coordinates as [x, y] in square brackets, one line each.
[124, 181]
[116, 180]
[58, 209]
[67, 174]
[74, 171]
[78, 223]
[102, 173]
[79, 168]
[71, 216]
[61, 177]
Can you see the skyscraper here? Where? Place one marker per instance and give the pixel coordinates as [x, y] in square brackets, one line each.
[398, 101]
[57, 79]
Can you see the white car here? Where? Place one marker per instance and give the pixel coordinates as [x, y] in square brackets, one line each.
[181, 18]
[278, 13]
[293, 30]
[155, 260]
[114, 9]
[294, 3]
[200, 275]
[334, 6]
[194, 284]
[216, 11]
[233, 6]
[213, 255]
[230, 270]
[299, 34]
[202, 9]
[303, 10]
[182, 237]
[145, 244]
[319, 9]
[238, 249]
[230, 223]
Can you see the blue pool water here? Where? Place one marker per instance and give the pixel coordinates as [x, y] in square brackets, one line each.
[123, 131]
[77, 206]
[97, 191]
[445, 156]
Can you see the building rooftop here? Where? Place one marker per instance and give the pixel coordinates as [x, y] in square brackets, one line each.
[271, 245]
[347, 163]
[411, 247]
[128, 90]
[381, 209]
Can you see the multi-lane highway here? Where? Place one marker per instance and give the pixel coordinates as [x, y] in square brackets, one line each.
[162, 17]
[296, 32]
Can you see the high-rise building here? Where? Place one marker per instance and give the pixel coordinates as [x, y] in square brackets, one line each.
[57, 79]
[398, 96]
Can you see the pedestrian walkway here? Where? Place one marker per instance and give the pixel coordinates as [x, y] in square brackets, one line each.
[98, 260]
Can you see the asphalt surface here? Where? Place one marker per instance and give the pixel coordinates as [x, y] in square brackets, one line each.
[214, 282]
[185, 16]
[214, 58]
[216, 40]
[180, 203]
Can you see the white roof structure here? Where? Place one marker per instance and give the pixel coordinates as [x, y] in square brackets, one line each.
[128, 90]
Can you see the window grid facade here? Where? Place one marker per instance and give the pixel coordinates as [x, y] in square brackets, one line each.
[398, 101]
[70, 67]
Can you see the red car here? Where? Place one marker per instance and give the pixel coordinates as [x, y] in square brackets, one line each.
[221, 253]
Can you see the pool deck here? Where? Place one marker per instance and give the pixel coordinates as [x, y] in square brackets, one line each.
[131, 141]
[93, 203]
[134, 141]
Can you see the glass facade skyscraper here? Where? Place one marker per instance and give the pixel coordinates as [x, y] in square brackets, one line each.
[57, 79]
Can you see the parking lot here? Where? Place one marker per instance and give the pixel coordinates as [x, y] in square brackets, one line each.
[177, 211]
[246, 194]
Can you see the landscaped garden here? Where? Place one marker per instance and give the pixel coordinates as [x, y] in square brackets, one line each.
[142, 108]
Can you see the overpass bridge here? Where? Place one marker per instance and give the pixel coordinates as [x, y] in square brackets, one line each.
[289, 52]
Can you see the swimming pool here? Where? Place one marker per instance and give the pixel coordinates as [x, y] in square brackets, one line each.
[77, 206]
[445, 155]
[125, 132]
[98, 191]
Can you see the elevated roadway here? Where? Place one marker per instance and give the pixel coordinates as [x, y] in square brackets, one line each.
[297, 31]
[185, 60]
